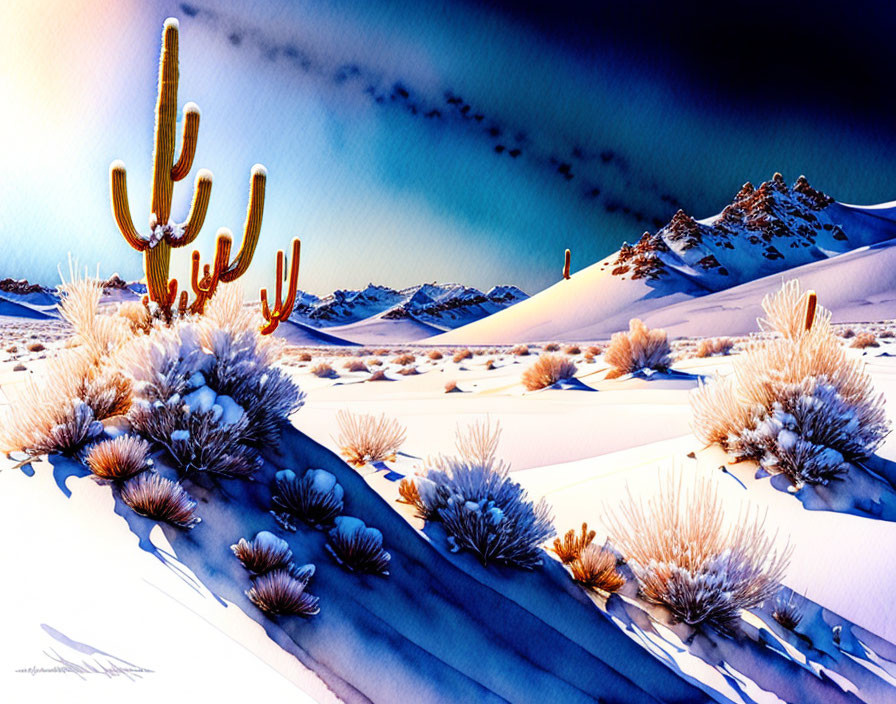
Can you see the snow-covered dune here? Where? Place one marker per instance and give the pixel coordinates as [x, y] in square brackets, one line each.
[691, 268]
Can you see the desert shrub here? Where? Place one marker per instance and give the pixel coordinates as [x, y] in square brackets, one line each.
[595, 568]
[863, 340]
[262, 554]
[408, 371]
[551, 347]
[434, 355]
[520, 350]
[688, 558]
[378, 375]
[451, 387]
[316, 498]
[796, 403]
[324, 370]
[381, 352]
[35, 347]
[573, 349]
[461, 355]
[570, 547]
[786, 612]
[886, 334]
[151, 495]
[19, 367]
[374, 362]
[12, 349]
[358, 548]
[208, 390]
[714, 346]
[548, 369]
[305, 357]
[118, 459]
[594, 350]
[137, 315]
[847, 333]
[489, 364]
[403, 360]
[481, 508]
[639, 348]
[367, 438]
[356, 365]
[281, 593]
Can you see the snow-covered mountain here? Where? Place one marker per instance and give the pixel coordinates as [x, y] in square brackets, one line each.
[445, 306]
[764, 231]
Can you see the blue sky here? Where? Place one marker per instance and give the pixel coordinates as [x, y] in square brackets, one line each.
[405, 141]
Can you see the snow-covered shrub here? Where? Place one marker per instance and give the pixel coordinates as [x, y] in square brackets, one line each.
[863, 340]
[324, 370]
[264, 553]
[573, 350]
[208, 391]
[687, 557]
[594, 350]
[520, 350]
[639, 348]
[356, 365]
[358, 548]
[551, 347]
[118, 459]
[151, 495]
[570, 547]
[595, 568]
[482, 509]
[367, 438]
[281, 592]
[403, 360]
[461, 355]
[714, 346]
[797, 403]
[548, 369]
[316, 498]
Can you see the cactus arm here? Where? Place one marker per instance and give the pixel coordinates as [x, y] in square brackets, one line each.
[282, 309]
[156, 262]
[182, 304]
[252, 227]
[166, 123]
[120, 209]
[206, 287]
[188, 143]
[202, 193]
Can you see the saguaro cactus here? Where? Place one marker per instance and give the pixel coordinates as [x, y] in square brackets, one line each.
[164, 234]
[282, 309]
[566, 262]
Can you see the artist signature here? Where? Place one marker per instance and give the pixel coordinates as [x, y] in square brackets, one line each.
[82, 669]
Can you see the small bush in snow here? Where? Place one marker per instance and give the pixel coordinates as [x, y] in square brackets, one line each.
[281, 592]
[358, 548]
[863, 340]
[482, 509]
[451, 386]
[305, 357]
[520, 350]
[315, 499]
[797, 403]
[367, 438]
[323, 370]
[551, 347]
[639, 348]
[434, 355]
[151, 495]
[408, 371]
[786, 612]
[356, 365]
[548, 369]
[573, 349]
[461, 355]
[714, 346]
[403, 360]
[118, 459]
[594, 350]
[595, 568]
[378, 375]
[687, 557]
[570, 547]
[266, 552]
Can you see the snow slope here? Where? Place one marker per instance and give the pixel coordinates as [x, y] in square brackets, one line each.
[765, 232]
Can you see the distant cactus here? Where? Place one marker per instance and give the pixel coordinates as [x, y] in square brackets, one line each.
[566, 263]
[282, 309]
[164, 233]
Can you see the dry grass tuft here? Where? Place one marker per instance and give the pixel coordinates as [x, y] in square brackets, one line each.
[595, 568]
[786, 612]
[461, 355]
[403, 360]
[408, 371]
[118, 459]
[639, 348]
[573, 349]
[367, 439]
[356, 365]
[378, 375]
[687, 557]
[548, 369]
[520, 350]
[863, 340]
[551, 347]
[570, 547]
[714, 346]
[153, 496]
[324, 370]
